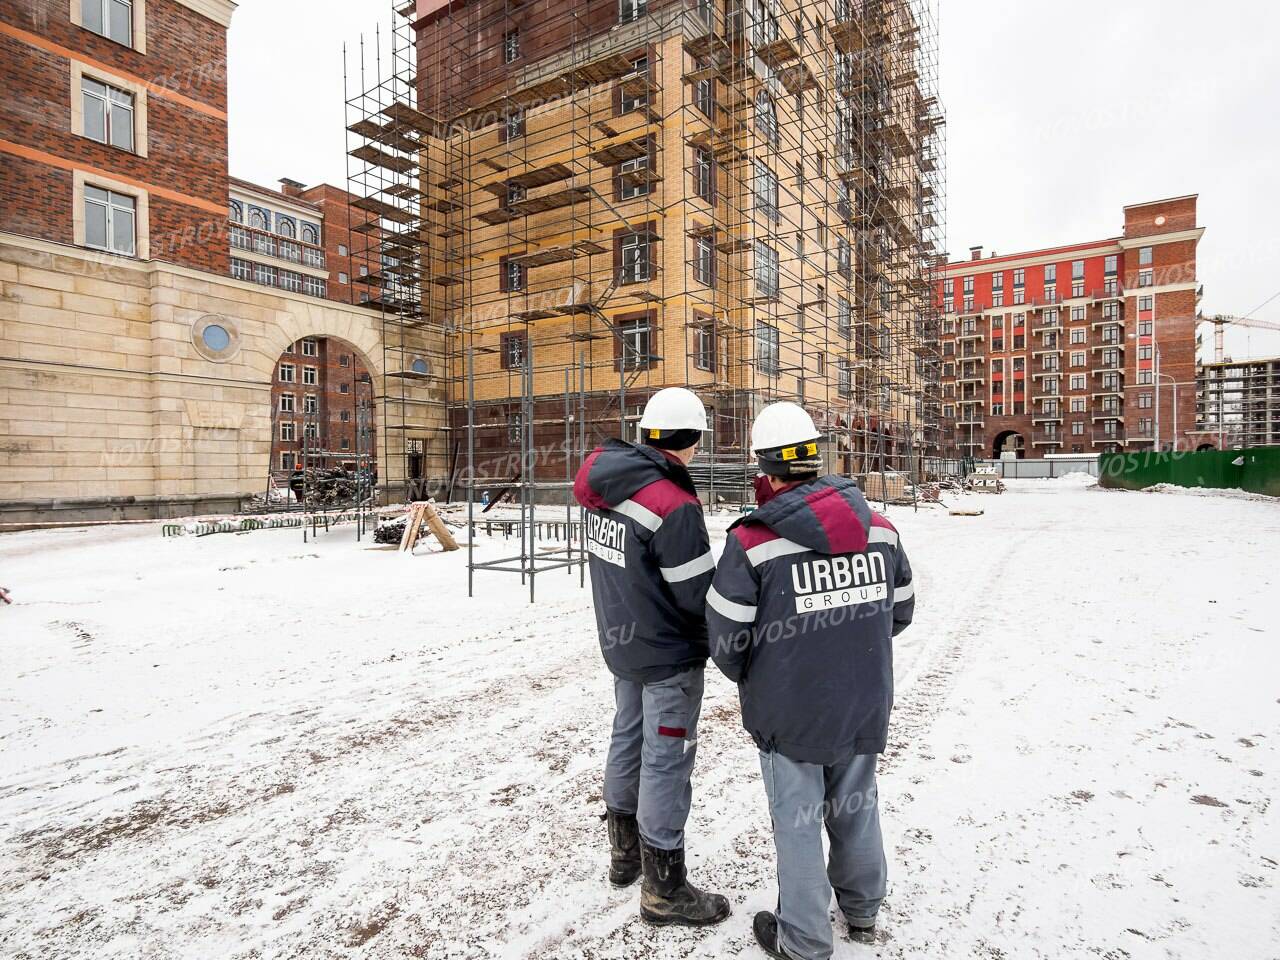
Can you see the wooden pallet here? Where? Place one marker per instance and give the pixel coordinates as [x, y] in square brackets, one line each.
[420, 513]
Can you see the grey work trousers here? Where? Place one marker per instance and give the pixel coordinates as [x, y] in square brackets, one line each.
[802, 798]
[655, 740]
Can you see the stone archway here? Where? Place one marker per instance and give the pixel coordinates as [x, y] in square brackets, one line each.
[1008, 441]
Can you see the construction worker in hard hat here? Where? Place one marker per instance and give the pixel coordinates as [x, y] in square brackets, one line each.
[808, 594]
[651, 565]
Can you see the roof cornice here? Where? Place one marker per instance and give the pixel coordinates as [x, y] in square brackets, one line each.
[219, 11]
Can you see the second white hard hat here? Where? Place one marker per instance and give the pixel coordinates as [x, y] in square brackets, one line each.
[674, 408]
[782, 424]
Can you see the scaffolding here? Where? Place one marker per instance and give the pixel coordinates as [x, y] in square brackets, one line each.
[592, 201]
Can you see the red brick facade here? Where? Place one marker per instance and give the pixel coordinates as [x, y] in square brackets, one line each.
[1054, 351]
[184, 171]
[329, 393]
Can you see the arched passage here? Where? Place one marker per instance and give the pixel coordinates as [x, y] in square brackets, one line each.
[1008, 441]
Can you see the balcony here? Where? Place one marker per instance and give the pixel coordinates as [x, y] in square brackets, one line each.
[1046, 416]
[1113, 344]
[970, 335]
[970, 378]
[1102, 436]
[1107, 413]
[1107, 322]
[1108, 391]
[1112, 291]
[270, 245]
[1106, 368]
[1046, 438]
[1049, 372]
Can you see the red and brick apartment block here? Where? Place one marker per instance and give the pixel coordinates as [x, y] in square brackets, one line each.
[322, 398]
[113, 126]
[1078, 349]
[301, 239]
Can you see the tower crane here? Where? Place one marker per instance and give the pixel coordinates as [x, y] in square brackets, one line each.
[1220, 321]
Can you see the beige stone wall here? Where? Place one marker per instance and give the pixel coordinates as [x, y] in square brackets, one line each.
[107, 392]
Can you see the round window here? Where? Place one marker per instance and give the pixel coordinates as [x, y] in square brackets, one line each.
[419, 366]
[216, 338]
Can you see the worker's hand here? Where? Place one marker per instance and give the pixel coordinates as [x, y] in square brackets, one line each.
[4, 595]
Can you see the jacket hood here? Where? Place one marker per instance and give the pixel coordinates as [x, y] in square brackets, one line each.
[828, 515]
[616, 469]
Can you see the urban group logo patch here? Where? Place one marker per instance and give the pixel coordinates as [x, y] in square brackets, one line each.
[607, 539]
[842, 581]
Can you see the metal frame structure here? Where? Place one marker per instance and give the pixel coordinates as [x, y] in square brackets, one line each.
[745, 197]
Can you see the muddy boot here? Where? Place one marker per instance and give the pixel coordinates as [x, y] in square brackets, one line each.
[765, 927]
[666, 897]
[624, 848]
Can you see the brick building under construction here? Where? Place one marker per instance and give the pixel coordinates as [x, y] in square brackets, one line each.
[595, 200]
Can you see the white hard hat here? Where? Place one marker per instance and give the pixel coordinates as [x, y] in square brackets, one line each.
[782, 424]
[674, 408]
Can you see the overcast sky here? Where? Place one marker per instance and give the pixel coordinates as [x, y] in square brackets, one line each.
[1057, 116]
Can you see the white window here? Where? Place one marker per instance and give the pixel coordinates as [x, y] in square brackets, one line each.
[704, 175]
[636, 338]
[110, 221]
[704, 261]
[1078, 335]
[640, 98]
[264, 274]
[766, 191]
[241, 269]
[310, 404]
[112, 19]
[635, 258]
[511, 45]
[108, 114]
[343, 278]
[314, 286]
[1144, 278]
[1077, 381]
[633, 186]
[704, 347]
[287, 372]
[288, 430]
[766, 270]
[309, 376]
[1077, 359]
[767, 348]
[1077, 404]
[286, 461]
[290, 280]
[767, 117]
[310, 348]
[629, 10]
[287, 402]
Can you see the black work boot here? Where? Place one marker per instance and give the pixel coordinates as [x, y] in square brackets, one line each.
[765, 927]
[864, 932]
[666, 897]
[624, 848]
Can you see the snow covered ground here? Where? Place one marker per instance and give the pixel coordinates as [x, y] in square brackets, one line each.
[247, 746]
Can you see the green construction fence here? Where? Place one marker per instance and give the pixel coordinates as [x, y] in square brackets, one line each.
[1256, 469]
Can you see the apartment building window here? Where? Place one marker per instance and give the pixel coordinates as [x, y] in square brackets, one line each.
[704, 261]
[241, 269]
[631, 10]
[1077, 403]
[844, 318]
[311, 432]
[1110, 383]
[767, 348]
[635, 258]
[342, 247]
[511, 275]
[628, 102]
[343, 278]
[968, 289]
[315, 287]
[1050, 274]
[1144, 401]
[704, 92]
[1079, 335]
[635, 339]
[310, 404]
[767, 117]
[1019, 341]
[636, 185]
[1144, 257]
[844, 258]
[1077, 428]
[766, 270]
[1146, 303]
[288, 431]
[512, 348]
[1019, 278]
[704, 175]
[309, 376]
[766, 191]
[844, 376]
[310, 348]
[112, 19]
[287, 372]
[1146, 328]
[344, 388]
[512, 126]
[1144, 352]
[110, 221]
[704, 346]
[287, 402]
[108, 114]
[997, 289]
[1077, 358]
[1145, 378]
[1145, 278]
[286, 461]
[289, 280]
[345, 443]
[1109, 265]
[1077, 278]
[511, 45]
[1077, 314]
